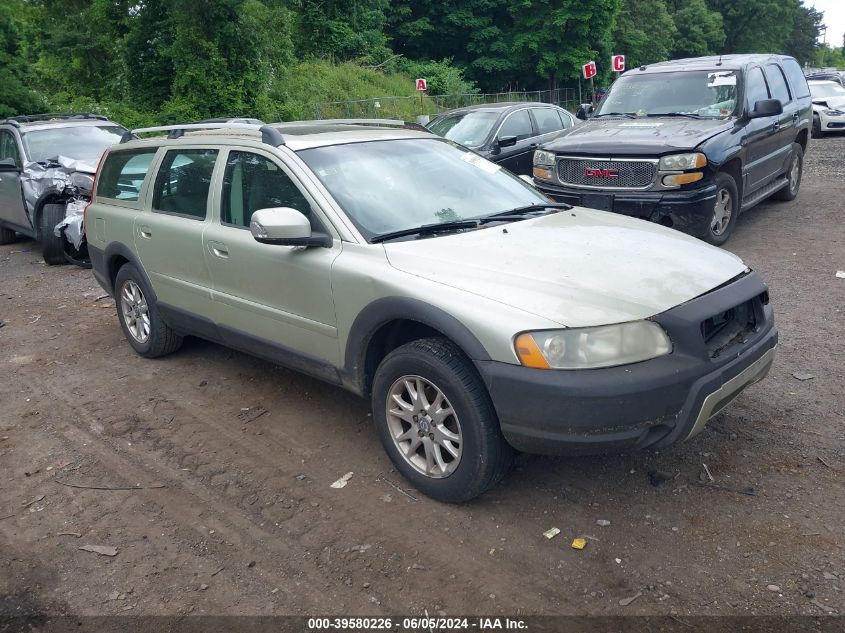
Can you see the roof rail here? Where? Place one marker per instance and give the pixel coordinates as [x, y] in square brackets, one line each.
[48, 116]
[269, 134]
[363, 122]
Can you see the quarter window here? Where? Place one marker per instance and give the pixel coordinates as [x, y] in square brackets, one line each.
[755, 87]
[183, 182]
[252, 182]
[777, 83]
[547, 120]
[8, 148]
[564, 119]
[123, 173]
[517, 124]
[796, 78]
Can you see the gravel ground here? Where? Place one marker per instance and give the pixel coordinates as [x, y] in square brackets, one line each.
[234, 514]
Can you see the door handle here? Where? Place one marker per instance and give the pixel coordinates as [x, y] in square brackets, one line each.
[145, 232]
[776, 126]
[218, 250]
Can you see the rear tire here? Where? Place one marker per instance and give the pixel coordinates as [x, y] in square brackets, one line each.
[7, 236]
[139, 316]
[454, 416]
[725, 210]
[52, 247]
[793, 175]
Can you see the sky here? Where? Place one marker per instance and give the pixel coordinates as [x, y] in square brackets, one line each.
[834, 19]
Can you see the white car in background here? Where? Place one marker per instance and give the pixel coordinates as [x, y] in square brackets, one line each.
[828, 107]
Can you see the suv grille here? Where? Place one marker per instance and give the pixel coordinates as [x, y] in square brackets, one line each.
[606, 173]
[727, 329]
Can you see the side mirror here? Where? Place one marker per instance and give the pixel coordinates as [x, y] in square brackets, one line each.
[506, 141]
[766, 108]
[8, 164]
[285, 227]
[584, 111]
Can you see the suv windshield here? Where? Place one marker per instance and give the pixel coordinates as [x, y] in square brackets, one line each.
[387, 186]
[704, 93]
[466, 128]
[821, 91]
[83, 142]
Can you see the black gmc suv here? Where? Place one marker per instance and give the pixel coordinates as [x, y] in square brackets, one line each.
[687, 143]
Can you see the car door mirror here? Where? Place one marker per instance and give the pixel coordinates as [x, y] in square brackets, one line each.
[506, 141]
[8, 164]
[284, 226]
[766, 108]
[584, 111]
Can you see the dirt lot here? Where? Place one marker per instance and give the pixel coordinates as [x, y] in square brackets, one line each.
[236, 516]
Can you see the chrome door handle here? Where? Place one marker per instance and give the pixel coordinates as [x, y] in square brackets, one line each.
[218, 250]
[144, 231]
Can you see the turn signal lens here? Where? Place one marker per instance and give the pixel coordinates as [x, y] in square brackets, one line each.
[682, 179]
[528, 352]
[543, 173]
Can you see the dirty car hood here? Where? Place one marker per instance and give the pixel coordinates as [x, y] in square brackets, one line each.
[615, 136]
[575, 268]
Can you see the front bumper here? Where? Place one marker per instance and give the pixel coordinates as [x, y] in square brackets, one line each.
[690, 211]
[832, 123]
[650, 404]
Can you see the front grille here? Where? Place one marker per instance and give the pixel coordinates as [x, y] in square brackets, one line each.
[606, 173]
[727, 329]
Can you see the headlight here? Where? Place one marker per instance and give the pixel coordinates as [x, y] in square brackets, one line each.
[593, 347]
[828, 113]
[542, 157]
[681, 162]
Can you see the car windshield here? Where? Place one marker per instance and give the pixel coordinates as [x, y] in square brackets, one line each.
[830, 89]
[466, 128]
[704, 93]
[82, 142]
[387, 186]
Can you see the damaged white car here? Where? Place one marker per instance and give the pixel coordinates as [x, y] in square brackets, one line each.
[47, 166]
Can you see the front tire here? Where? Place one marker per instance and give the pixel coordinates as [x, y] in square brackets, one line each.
[436, 421]
[139, 316]
[816, 130]
[52, 247]
[725, 210]
[7, 236]
[793, 175]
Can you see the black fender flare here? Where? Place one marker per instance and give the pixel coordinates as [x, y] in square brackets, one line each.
[381, 312]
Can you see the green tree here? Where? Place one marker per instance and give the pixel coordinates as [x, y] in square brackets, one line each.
[644, 33]
[15, 94]
[343, 29]
[803, 40]
[699, 30]
[756, 26]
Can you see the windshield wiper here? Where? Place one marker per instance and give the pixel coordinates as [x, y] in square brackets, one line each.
[427, 229]
[630, 115]
[518, 212]
[688, 115]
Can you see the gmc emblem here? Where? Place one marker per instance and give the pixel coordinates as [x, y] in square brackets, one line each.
[601, 173]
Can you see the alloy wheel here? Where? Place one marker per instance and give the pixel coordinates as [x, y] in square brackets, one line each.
[136, 315]
[794, 173]
[722, 212]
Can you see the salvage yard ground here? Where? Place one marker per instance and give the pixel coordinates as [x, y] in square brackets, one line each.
[203, 480]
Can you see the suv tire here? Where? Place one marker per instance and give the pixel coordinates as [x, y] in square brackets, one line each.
[52, 247]
[7, 236]
[725, 210]
[793, 175]
[139, 316]
[455, 415]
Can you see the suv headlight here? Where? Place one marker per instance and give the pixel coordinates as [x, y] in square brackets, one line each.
[682, 162]
[544, 163]
[592, 347]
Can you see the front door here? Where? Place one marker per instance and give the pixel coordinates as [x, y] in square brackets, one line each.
[762, 164]
[12, 207]
[168, 236]
[278, 295]
[518, 158]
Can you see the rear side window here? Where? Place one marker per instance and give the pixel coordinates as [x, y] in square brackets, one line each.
[547, 120]
[183, 182]
[8, 148]
[564, 119]
[755, 87]
[777, 83]
[517, 124]
[796, 78]
[123, 173]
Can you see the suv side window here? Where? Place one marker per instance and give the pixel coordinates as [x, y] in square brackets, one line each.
[777, 83]
[547, 120]
[183, 182]
[796, 78]
[8, 147]
[755, 87]
[252, 182]
[123, 173]
[564, 120]
[517, 124]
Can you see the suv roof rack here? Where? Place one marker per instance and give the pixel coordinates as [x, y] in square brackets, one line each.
[50, 116]
[408, 125]
[269, 134]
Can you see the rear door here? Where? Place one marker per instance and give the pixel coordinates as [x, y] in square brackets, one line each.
[278, 297]
[517, 158]
[168, 234]
[12, 209]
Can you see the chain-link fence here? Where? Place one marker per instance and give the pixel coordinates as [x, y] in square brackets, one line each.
[408, 108]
